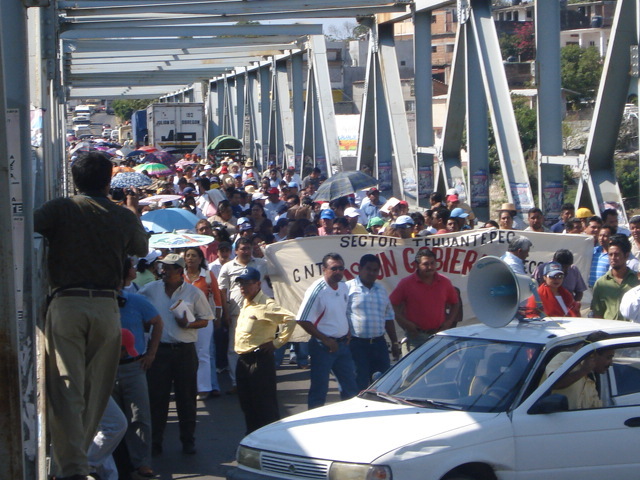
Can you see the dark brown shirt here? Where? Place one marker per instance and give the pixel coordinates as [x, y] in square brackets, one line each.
[89, 239]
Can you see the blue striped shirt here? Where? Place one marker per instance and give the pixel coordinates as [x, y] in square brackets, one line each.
[368, 309]
[599, 265]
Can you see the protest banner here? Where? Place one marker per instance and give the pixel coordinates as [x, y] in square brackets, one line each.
[295, 264]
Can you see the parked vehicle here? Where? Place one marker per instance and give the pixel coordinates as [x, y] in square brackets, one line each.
[176, 127]
[81, 120]
[550, 398]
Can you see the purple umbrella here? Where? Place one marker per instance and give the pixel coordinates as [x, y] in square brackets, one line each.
[161, 157]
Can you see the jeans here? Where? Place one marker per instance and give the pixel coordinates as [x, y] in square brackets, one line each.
[322, 363]
[132, 395]
[301, 350]
[370, 356]
[113, 426]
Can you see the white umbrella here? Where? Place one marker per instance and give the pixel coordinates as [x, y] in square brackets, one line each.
[159, 199]
[179, 240]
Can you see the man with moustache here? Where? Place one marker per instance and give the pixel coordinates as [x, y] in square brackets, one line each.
[323, 315]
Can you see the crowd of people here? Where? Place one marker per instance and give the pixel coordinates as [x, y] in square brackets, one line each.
[190, 315]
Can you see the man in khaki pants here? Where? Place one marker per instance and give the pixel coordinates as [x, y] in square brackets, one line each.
[89, 237]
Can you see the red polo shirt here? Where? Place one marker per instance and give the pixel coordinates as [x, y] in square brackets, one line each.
[424, 304]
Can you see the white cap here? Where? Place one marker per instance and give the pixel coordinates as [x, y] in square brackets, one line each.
[351, 212]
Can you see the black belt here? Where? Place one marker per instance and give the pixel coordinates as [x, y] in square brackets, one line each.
[368, 340]
[87, 293]
[125, 361]
[174, 344]
[341, 339]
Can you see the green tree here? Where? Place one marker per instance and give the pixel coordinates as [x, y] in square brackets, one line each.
[508, 45]
[580, 71]
[125, 108]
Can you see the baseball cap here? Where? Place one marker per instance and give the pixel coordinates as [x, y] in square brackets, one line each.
[375, 222]
[273, 191]
[188, 191]
[404, 204]
[248, 274]
[152, 256]
[258, 196]
[245, 226]
[351, 212]
[458, 212]
[243, 220]
[236, 175]
[293, 185]
[404, 221]
[129, 342]
[327, 214]
[584, 212]
[173, 259]
[453, 198]
[292, 168]
[372, 190]
[552, 269]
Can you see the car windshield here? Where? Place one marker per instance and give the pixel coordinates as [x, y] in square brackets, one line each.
[468, 374]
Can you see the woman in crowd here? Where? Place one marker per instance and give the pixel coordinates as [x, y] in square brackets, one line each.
[198, 274]
[557, 301]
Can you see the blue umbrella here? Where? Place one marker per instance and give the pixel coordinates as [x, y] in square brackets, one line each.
[130, 179]
[168, 220]
[342, 184]
[136, 153]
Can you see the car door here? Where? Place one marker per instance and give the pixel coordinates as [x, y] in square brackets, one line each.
[587, 444]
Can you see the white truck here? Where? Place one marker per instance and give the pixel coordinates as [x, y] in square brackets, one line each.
[177, 127]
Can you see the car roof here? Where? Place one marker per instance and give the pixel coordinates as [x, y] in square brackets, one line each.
[544, 331]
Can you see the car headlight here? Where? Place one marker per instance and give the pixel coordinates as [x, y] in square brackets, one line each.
[249, 457]
[358, 471]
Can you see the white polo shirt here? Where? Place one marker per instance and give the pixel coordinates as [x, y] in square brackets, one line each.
[326, 308]
[192, 296]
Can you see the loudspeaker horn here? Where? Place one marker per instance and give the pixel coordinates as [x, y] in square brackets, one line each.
[495, 291]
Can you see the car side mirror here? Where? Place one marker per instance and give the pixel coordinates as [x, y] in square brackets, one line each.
[550, 404]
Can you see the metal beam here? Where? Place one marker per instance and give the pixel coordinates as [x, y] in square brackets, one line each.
[476, 185]
[227, 8]
[135, 20]
[85, 31]
[502, 116]
[230, 57]
[167, 44]
[16, 242]
[550, 175]
[213, 52]
[325, 110]
[599, 170]
[423, 87]
[402, 148]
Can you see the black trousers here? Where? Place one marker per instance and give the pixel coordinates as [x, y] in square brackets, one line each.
[175, 365]
[257, 389]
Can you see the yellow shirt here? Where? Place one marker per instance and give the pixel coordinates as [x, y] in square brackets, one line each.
[359, 230]
[581, 394]
[258, 323]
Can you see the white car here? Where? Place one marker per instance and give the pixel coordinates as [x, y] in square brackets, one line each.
[473, 403]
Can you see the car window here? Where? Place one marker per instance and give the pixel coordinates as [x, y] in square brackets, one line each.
[599, 379]
[461, 373]
[625, 376]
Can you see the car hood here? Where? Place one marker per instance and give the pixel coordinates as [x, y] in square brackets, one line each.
[359, 430]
